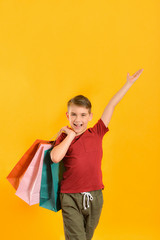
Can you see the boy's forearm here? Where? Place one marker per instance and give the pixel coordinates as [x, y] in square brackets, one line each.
[119, 95]
[58, 152]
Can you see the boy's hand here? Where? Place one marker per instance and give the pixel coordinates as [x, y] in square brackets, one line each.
[133, 78]
[67, 130]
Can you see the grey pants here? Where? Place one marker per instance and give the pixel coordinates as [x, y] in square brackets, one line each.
[81, 214]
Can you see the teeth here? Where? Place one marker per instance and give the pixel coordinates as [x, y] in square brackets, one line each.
[79, 125]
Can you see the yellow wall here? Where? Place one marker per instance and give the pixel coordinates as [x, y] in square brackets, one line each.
[51, 51]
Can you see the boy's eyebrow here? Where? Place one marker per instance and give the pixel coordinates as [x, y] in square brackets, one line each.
[81, 113]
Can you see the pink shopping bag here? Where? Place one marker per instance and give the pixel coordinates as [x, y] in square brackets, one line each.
[29, 187]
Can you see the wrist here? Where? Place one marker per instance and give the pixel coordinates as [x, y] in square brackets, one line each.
[72, 134]
[129, 84]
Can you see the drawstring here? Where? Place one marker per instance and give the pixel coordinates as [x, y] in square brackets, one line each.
[89, 196]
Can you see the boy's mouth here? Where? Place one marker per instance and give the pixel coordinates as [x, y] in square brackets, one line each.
[78, 125]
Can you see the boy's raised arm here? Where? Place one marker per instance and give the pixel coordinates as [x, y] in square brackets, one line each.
[108, 111]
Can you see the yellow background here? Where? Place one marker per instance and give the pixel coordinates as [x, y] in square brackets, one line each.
[51, 51]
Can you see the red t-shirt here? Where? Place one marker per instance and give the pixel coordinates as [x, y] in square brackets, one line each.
[83, 160]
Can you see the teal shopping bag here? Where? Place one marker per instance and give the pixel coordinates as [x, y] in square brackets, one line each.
[52, 174]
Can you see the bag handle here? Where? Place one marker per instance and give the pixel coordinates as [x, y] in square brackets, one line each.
[57, 135]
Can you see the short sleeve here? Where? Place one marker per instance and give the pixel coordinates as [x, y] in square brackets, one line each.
[100, 128]
[60, 139]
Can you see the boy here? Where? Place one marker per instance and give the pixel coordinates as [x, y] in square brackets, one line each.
[81, 150]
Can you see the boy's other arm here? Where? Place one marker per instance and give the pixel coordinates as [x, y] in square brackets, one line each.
[107, 114]
[108, 111]
[58, 152]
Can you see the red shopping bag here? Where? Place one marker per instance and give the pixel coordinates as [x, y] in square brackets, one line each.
[18, 171]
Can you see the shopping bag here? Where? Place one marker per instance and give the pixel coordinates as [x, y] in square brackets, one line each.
[29, 187]
[18, 171]
[52, 174]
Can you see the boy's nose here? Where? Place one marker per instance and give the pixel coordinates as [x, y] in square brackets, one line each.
[78, 118]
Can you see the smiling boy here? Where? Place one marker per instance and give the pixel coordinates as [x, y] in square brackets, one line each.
[81, 150]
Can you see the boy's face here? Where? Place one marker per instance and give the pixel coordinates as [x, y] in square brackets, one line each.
[78, 117]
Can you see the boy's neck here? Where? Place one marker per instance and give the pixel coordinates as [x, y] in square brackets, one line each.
[81, 132]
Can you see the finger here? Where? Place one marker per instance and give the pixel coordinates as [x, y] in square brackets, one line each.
[63, 128]
[139, 71]
[69, 127]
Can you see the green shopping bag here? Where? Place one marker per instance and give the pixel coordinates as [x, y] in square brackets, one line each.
[52, 174]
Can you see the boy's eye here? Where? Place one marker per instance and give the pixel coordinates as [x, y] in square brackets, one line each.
[73, 114]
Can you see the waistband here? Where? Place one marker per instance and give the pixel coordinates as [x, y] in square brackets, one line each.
[89, 195]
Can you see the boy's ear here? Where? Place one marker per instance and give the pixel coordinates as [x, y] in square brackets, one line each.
[67, 115]
[90, 116]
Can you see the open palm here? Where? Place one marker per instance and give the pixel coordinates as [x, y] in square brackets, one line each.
[133, 78]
